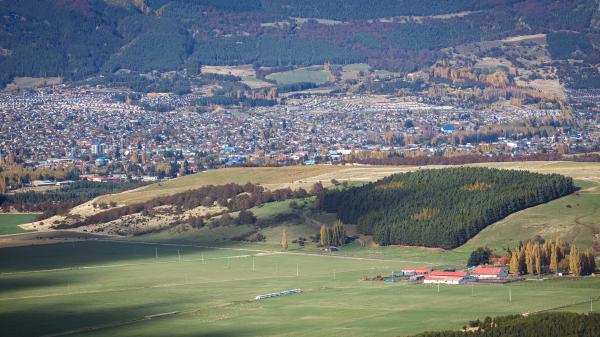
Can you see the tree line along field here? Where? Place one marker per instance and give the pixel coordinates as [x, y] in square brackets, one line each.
[98, 288]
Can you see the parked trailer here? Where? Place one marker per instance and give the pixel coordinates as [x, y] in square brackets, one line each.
[279, 293]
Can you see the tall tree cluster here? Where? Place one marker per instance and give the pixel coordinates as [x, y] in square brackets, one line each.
[334, 236]
[442, 207]
[536, 258]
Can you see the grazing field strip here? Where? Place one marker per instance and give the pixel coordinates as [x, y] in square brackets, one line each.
[270, 275]
[175, 260]
[156, 286]
[594, 299]
[269, 251]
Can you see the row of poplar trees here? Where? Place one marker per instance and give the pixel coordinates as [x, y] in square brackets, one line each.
[334, 236]
[551, 256]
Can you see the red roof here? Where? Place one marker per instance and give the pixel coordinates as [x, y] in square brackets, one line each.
[448, 273]
[488, 270]
[418, 270]
[445, 278]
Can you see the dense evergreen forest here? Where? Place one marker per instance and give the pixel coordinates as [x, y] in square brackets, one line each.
[440, 207]
[76, 39]
[537, 325]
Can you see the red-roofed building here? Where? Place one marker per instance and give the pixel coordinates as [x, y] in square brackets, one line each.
[482, 272]
[447, 277]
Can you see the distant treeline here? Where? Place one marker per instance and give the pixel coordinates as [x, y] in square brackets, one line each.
[59, 201]
[440, 207]
[232, 196]
[228, 100]
[557, 324]
[474, 158]
[297, 87]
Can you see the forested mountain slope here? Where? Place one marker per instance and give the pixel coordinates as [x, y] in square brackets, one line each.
[78, 38]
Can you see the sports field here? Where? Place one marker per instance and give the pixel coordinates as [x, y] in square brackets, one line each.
[103, 288]
[9, 222]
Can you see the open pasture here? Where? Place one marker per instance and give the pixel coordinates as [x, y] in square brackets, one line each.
[97, 288]
[574, 218]
[9, 222]
[312, 74]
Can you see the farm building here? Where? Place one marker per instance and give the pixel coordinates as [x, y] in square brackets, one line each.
[447, 277]
[415, 271]
[482, 272]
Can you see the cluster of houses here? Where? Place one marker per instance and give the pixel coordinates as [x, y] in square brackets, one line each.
[88, 127]
[430, 276]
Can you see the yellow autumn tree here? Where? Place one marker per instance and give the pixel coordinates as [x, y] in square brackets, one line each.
[574, 261]
[324, 236]
[515, 265]
[537, 258]
[284, 240]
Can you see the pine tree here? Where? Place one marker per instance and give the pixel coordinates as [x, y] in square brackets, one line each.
[574, 261]
[329, 236]
[592, 261]
[588, 262]
[284, 240]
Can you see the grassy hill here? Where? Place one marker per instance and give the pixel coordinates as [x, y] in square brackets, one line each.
[441, 208]
[271, 177]
[571, 218]
[574, 218]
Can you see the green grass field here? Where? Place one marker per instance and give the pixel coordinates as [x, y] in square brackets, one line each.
[9, 223]
[574, 218]
[317, 76]
[106, 289]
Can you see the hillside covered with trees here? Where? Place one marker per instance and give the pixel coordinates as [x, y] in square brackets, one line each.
[440, 207]
[79, 38]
